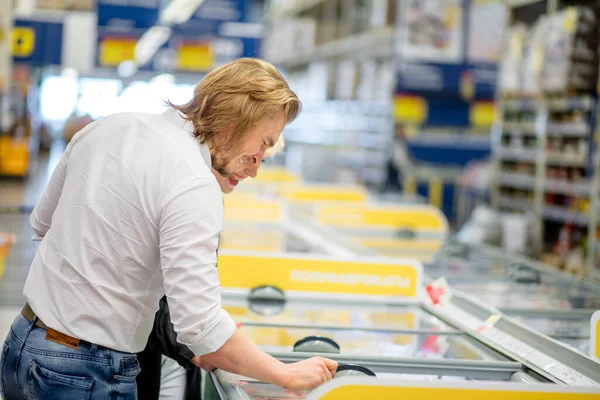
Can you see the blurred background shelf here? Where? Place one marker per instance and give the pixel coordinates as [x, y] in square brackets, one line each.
[568, 188]
[515, 204]
[372, 44]
[556, 213]
[516, 154]
[517, 180]
[292, 8]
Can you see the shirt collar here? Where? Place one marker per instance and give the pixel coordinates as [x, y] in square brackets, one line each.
[176, 118]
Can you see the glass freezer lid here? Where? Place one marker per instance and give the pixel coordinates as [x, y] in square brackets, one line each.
[556, 327]
[263, 391]
[534, 296]
[486, 262]
[369, 343]
[269, 237]
[332, 314]
[256, 390]
[391, 243]
[489, 276]
[574, 332]
[581, 345]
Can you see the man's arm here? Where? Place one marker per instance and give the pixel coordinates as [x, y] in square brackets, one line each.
[190, 220]
[240, 356]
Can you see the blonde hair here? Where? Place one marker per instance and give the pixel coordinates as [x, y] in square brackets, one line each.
[237, 95]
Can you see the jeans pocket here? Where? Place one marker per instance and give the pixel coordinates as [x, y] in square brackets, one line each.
[130, 368]
[2, 362]
[45, 384]
[126, 379]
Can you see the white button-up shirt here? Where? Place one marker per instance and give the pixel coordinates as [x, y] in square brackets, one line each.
[131, 212]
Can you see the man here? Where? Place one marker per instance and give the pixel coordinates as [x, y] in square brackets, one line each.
[170, 371]
[131, 213]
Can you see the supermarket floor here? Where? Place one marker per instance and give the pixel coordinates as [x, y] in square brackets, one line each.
[23, 193]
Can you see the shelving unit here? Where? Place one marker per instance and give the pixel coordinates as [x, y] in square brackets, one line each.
[544, 154]
[547, 163]
[338, 57]
[375, 43]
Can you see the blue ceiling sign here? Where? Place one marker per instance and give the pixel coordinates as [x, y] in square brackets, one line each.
[37, 42]
[127, 15]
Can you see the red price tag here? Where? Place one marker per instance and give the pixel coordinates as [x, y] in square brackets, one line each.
[435, 293]
[438, 291]
[430, 344]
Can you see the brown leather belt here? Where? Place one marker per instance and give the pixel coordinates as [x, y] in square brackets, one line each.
[51, 334]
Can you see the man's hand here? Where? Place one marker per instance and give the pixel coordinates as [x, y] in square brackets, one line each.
[200, 363]
[308, 374]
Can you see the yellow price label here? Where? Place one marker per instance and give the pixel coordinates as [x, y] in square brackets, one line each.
[435, 191]
[411, 109]
[467, 86]
[350, 388]
[409, 185]
[414, 217]
[482, 114]
[570, 19]
[597, 340]
[194, 57]
[392, 243]
[114, 51]
[23, 41]
[312, 193]
[595, 336]
[368, 277]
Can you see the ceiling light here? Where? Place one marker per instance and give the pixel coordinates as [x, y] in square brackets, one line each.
[152, 40]
[179, 11]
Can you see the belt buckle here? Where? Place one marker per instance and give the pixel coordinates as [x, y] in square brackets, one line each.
[61, 338]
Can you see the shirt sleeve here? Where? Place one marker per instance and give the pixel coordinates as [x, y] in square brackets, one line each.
[41, 217]
[191, 219]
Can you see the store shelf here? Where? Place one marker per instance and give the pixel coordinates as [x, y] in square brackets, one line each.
[583, 103]
[293, 7]
[345, 108]
[513, 154]
[375, 43]
[553, 135]
[520, 105]
[515, 204]
[569, 188]
[519, 128]
[521, 3]
[560, 214]
[516, 180]
[375, 141]
[463, 141]
[566, 160]
[567, 129]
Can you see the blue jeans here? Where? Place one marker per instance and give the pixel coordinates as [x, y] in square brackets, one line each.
[32, 367]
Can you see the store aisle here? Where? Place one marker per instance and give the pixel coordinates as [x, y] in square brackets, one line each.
[14, 223]
[18, 192]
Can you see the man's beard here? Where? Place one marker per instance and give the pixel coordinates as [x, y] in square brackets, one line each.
[220, 160]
